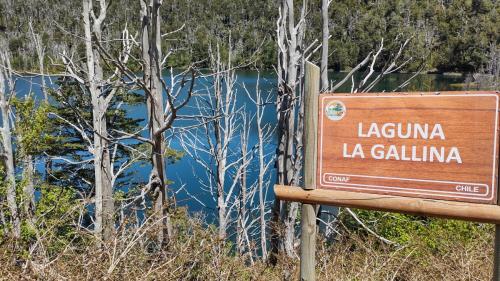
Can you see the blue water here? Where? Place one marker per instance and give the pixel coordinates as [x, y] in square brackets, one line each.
[188, 177]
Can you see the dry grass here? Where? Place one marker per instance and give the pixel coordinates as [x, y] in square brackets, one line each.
[197, 254]
[359, 258]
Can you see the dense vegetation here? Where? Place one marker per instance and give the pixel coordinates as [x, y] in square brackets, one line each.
[449, 35]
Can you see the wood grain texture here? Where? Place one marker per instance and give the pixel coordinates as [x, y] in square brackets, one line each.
[311, 98]
[416, 206]
[468, 122]
[308, 213]
[496, 254]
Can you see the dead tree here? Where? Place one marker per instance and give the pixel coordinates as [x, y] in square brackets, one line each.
[220, 144]
[243, 196]
[324, 45]
[101, 90]
[6, 91]
[218, 116]
[264, 135]
[292, 53]
[371, 77]
[291, 58]
[161, 113]
[152, 60]
[224, 130]
[104, 222]
[40, 52]
[326, 214]
[247, 191]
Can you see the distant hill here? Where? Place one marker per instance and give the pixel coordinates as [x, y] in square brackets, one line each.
[450, 35]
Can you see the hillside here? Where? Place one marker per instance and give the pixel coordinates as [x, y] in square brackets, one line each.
[458, 35]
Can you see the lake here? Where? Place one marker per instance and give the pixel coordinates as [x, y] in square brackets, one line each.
[188, 177]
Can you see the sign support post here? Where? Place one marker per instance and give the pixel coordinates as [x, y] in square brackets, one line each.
[496, 254]
[496, 249]
[308, 215]
[431, 154]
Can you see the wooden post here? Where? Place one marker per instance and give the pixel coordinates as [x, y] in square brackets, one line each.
[308, 218]
[496, 257]
[496, 249]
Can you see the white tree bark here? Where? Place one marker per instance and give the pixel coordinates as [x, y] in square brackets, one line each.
[161, 113]
[224, 131]
[104, 204]
[152, 79]
[264, 134]
[28, 161]
[40, 52]
[7, 85]
[221, 124]
[291, 53]
[324, 45]
[29, 187]
[243, 214]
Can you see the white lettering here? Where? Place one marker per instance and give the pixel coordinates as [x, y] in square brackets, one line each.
[358, 151]
[377, 152]
[437, 131]
[360, 131]
[454, 155]
[435, 153]
[388, 130]
[408, 131]
[392, 152]
[403, 154]
[338, 179]
[402, 131]
[344, 152]
[467, 188]
[423, 132]
[414, 154]
[373, 130]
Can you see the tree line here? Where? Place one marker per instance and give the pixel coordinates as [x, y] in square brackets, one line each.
[458, 35]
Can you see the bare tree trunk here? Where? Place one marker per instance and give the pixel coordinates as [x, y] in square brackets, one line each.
[28, 161]
[326, 212]
[104, 223]
[290, 57]
[263, 167]
[221, 139]
[219, 114]
[40, 52]
[161, 113]
[29, 187]
[324, 45]
[8, 149]
[152, 56]
[242, 214]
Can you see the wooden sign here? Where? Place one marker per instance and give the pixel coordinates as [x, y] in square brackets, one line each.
[425, 145]
[410, 153]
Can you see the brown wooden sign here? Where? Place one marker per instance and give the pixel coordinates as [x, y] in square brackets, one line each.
[426, 145]
[411, 153]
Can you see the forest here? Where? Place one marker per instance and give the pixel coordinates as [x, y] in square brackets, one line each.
[448, 35]
[141, 140]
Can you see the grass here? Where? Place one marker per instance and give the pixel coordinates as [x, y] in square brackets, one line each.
[197, 254]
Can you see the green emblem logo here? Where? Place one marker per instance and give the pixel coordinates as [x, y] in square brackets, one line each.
[335, 110]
